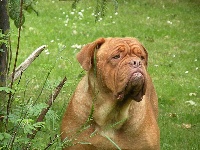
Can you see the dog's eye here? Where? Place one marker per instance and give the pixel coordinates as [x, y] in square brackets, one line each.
[116, 57]
[142, 57]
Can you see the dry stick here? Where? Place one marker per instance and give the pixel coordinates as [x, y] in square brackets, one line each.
[24, 65]
[45, 110]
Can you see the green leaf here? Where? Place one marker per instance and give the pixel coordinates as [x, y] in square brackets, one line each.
[13, 14]
[14, 118]
[36, 110]
[39, 125]
[1, 136]
[4, 136]
[15, 8]
[7, 89]
[28, 129]
[17, 21]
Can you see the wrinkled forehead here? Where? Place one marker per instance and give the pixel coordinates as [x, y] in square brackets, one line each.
[124, 44]
[129, 41]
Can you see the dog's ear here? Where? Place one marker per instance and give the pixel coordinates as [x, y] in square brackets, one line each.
[86, 55]
[146, 55]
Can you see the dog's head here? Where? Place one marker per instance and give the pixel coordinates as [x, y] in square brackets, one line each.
[119, 64]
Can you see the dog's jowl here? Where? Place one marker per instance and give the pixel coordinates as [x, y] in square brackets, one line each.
[115, 105]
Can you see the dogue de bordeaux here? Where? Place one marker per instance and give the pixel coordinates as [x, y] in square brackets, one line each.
[115, 105]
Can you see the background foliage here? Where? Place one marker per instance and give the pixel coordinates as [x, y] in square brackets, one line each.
[169, 30]
[14, 10]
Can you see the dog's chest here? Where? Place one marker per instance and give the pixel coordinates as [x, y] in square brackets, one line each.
[105, 138]
[114, 139]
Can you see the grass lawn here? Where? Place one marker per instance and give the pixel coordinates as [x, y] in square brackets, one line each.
[169, 29]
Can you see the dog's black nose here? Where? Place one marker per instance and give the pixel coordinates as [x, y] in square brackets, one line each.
[136, 63]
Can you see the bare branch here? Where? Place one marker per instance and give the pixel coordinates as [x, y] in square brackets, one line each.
[24, 65]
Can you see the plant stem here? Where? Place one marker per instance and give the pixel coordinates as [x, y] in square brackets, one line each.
[15, 64]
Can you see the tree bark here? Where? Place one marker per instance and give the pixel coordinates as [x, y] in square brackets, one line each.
[4, 30]
[4, 27]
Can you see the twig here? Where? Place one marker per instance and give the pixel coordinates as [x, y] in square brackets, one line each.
[48, 74]
[12, 140]
[24, 65]
[52, 98]
[52, 141]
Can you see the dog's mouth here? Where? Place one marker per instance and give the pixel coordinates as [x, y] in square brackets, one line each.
[134, 88]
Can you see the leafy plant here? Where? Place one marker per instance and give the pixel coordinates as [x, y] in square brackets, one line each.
[6, 89]
[15, 12]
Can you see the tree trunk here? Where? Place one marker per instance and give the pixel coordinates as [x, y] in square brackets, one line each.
[4, 29]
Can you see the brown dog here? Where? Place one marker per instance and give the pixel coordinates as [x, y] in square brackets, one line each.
[115, 104]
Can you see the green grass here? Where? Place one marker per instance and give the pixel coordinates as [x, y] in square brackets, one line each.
[170, 30]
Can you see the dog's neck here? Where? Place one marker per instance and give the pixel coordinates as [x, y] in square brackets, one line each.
[110, 113]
